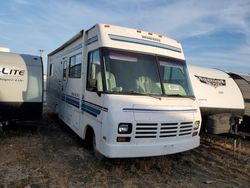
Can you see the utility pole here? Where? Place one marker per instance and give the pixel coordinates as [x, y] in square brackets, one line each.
[41, 52]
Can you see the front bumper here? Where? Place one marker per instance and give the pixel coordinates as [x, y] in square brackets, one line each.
[129, 150]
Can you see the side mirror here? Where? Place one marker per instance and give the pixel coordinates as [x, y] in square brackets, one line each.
[92, 83]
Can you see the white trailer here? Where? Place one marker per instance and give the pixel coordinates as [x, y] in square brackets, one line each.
[243, 81]
[127, 90]
[21, 87]
[219, 98]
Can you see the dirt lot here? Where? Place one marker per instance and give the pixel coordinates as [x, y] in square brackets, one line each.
[48, 154]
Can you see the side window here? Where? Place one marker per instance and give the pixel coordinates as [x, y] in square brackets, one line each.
[65, 69]
[51, 70]
[94, 70]
[75, 63]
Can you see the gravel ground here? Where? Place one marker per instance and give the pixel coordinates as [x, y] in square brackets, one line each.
[48, 154]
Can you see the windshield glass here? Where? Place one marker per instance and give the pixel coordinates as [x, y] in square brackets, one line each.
[175, 77]
[135, 73]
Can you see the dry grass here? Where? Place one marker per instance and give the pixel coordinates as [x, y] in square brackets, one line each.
[51, 155]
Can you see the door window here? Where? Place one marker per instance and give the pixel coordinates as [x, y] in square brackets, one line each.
[94, 70]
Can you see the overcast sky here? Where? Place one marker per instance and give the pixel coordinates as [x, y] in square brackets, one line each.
[213, 33]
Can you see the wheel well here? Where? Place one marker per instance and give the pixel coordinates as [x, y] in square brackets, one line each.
[89, 133]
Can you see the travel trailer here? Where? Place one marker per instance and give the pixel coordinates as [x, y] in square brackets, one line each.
[243, 81]
[220, 99]
[21, 87]
[125, 90]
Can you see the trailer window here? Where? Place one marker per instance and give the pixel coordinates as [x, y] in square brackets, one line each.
[94, 70]
[75, 63]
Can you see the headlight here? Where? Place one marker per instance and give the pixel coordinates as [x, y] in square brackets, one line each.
[125, 128]
[196, 125]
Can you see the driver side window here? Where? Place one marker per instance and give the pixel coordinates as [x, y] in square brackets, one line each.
[94, 71]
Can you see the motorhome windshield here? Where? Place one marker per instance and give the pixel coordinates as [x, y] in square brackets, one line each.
[175, 77]
[136, 73]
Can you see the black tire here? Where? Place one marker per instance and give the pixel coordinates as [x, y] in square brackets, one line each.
[1, 129]
[3, 126]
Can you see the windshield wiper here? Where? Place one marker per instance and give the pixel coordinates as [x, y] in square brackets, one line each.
[182, 96]
[156, 97]
[144, 94]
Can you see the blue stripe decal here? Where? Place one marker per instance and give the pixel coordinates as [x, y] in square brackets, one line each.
[158, 110]
[86, 106]
[95, 106]
[144, 42]
[73, 101]
[90, 109]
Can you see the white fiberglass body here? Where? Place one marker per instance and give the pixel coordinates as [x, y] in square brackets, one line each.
[216, 91]
[130, 87]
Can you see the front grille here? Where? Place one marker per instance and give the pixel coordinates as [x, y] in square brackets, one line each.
[163, 130]
[185, 128]
[146, 130]
[168, 130]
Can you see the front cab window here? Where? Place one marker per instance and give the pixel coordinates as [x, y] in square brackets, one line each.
[175, 77]
[94, 82]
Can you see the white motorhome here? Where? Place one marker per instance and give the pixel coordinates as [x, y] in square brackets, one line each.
[21, 87]
[217, 93]
[128, 90]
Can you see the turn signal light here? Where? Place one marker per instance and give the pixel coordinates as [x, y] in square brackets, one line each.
[123, 139]
[195, 133]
